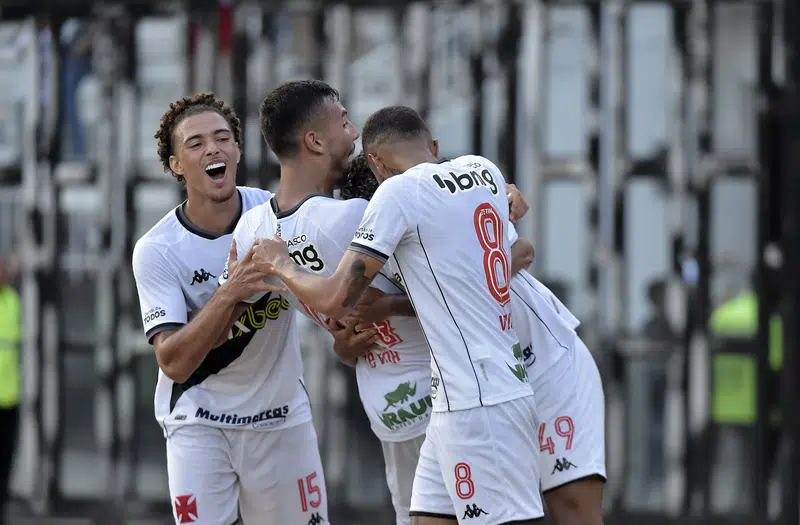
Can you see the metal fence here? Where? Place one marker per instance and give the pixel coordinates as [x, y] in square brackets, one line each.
[686, 187]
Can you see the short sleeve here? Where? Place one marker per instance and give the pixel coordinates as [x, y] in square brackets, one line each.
[161, 298]
[388, 217]
[245, 235]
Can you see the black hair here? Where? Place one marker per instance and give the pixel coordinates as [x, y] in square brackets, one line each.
[359, 182]
[186, 107]
[288, 108]
[393, 123]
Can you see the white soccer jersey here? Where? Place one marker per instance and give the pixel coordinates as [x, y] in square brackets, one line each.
[254, 380]
[444, 225]
[545, 331]
[393, 382]
[543, 290]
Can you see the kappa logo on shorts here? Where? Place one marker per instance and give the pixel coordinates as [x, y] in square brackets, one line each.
[316, 519]
[473, 511]
[186, 509]
[562, 465]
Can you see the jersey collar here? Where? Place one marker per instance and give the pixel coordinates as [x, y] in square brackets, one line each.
[200, 232]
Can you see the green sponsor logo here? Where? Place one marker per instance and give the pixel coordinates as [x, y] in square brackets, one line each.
[402, 409]
[519, 370]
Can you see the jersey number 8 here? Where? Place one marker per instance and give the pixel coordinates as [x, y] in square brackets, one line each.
[489, 227]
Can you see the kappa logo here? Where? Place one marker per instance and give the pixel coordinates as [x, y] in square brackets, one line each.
[316, 519]
[473, 511]
[186, 508]
[562, 465]
[201, 276]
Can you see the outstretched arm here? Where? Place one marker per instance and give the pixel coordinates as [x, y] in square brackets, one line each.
[334, 296]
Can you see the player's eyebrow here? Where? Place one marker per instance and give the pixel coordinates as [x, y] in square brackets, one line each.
[199, 135]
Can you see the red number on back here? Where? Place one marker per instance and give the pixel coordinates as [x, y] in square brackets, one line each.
[490, 230]
[465, 488]
[308, 491]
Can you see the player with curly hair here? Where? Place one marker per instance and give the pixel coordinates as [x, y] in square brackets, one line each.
[236, 416]
[359, 182]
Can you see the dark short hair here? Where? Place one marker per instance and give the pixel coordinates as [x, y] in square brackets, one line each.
[186, 107]
[393, 123]
[288, 108]
[359, 182]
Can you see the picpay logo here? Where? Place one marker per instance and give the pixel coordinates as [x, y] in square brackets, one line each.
[454, 182]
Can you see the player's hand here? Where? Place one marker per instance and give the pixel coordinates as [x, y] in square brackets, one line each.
[245, 280]
[517, 206]
[348, 342]
[270, 254]
[374, 306]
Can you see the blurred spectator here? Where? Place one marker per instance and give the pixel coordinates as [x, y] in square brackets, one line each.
[10, 337]
[76, 37]
[658, 330]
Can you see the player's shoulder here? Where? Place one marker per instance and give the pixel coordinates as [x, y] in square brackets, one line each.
[252, 197]
[166, 232]
[472, 162]
[327, 210]
[257, 217]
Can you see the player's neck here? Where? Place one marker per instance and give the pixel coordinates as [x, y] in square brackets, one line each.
[212, 216]
[296, 185]
[409, 157]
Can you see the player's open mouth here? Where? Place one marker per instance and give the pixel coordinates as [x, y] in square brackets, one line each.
[216, 171]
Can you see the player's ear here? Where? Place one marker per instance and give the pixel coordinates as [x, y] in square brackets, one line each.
[175, 165]
[313, 142]
[238, 153]
[435, 148]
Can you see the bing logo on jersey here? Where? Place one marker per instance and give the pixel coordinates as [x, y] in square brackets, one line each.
[466, 181]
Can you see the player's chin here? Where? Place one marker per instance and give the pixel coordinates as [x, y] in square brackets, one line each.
[223, 193]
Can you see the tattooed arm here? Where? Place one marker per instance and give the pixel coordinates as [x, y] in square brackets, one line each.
[334, 296]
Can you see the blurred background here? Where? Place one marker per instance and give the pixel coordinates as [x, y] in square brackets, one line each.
[658, 144]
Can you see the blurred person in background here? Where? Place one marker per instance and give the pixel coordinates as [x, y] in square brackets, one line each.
[76, 38]
[10, 338]
[658, 330]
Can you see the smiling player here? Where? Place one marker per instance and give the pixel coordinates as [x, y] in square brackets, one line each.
[230, 398]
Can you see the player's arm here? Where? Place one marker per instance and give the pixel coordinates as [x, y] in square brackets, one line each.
[334, 296]
[181, 346]
[521, 255]
[384, 224]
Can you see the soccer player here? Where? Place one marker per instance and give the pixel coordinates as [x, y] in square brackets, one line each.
[567, 386]
[444, 227]
[393, 378]
[230, 398]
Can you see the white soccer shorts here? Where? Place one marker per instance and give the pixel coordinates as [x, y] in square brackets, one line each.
[266, 478]
[401, 459]
[480, 466]
[571, 405]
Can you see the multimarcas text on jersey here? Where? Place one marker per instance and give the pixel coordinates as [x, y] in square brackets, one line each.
[265, 418]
